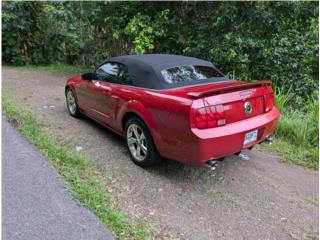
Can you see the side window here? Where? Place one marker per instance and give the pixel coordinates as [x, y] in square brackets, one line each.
[107, 72]
[124, 77]
[114, 73]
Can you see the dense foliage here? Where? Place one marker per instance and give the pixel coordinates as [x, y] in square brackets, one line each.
[247, 40]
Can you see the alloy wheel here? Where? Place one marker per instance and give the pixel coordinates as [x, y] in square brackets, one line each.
[137, 142]
[71, 101]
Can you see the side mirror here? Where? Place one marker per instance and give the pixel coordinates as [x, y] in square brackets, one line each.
[87, 76]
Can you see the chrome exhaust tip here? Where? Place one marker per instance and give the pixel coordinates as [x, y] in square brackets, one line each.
[244, 156]
[212, 164]
[269, 140]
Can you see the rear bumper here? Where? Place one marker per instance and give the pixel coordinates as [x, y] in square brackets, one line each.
[219, 142]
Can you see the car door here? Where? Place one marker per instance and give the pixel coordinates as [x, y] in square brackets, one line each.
[103, 98]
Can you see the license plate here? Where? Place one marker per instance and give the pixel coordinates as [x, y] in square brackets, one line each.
[250, 137]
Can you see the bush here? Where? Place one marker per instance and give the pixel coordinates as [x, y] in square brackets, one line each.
[257, 40]
[298, 124]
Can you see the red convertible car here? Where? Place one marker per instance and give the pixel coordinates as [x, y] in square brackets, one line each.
[175, 107]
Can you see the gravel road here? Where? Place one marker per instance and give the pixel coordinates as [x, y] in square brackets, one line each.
[264, 198]
[36, 204]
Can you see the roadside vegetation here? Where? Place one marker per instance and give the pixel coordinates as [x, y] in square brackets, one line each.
[255, 40]
[297, 133]
[56, 68]
[85, 180]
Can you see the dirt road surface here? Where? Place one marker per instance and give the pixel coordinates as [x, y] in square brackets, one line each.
[263, 198]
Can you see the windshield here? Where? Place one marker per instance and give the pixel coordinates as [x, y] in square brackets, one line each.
[190, 73]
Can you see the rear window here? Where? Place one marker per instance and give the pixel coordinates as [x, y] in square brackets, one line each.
[190, 73]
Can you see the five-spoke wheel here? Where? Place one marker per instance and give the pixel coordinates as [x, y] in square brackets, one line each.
[137, 142]
[72, 103]
[140, 143]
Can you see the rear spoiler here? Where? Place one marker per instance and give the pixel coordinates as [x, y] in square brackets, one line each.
[239, 86]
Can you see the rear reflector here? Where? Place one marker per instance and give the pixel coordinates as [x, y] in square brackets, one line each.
[207, 117]
[268, 102]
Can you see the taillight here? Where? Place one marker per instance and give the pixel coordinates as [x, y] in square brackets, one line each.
[207, 117]
[268, 102]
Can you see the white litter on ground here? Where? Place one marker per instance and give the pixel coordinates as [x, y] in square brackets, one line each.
[78, 148]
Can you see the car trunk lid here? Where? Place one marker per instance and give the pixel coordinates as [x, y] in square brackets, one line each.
[218, 104]
[235, 102]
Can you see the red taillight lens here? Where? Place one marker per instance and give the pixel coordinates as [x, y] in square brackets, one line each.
[206, 117]
[268, 102]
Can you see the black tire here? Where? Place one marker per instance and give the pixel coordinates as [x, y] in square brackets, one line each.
[74, 113]
[152, 156]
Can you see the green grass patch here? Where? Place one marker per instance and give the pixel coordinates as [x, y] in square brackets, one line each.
[72, 69]
[297, 138]
[88, 186]
[299, 155]
[297, 133]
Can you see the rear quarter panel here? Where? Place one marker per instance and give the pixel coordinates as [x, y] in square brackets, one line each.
[167, 117]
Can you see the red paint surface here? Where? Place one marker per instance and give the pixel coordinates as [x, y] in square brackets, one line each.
[168, 115]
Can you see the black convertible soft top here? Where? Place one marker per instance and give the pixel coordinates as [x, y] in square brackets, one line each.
[145, 69]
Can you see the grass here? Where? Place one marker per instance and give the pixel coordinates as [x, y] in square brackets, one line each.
[53, 68]
[297, 133]
[306, 157]
[292, 140]
[87, 186]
